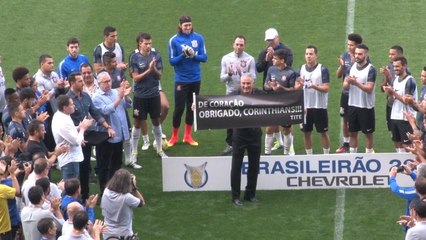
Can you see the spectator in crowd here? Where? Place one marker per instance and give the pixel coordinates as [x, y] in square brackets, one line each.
[48, 81]
[73, 61]
[41, 170]
[11, 96]
[85, 109]
[80, 224]
[65, 132]
[35, 144]
[2, 93]
[47, 228]
[112, 104]
[21, 77]
[90, 83]
[31, 215]
[72, 193]
[109, 45]
[117, 77]
[418, 231]
[120, 197]
[9, 188]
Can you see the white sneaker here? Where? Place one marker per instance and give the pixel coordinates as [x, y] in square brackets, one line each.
[145, 145]
[134, 166]
[162, 154]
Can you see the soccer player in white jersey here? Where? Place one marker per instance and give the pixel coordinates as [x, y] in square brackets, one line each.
[316, 80]
[361, 84]
[404, 85]
[233, 66]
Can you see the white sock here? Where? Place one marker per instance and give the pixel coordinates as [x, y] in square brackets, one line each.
[279, 137]
[136, 133]
[127, 147]
[353, 150]
[145, 138]
[309, 151]
[269, 139]
[369, 150]
[326, 150]
[401, 150]
[157, 135]
[288, 140]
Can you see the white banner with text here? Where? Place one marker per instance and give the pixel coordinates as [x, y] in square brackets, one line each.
[286, 172]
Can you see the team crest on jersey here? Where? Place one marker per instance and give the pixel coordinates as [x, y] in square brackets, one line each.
[136, 112]
[243, 63]
[284, 78]
[119, 78]
[196, 176]
[142, 65]
[194, 43]
[178, 88]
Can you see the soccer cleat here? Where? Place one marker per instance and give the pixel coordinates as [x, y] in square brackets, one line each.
[267, 152]
[343, 149]
[134, 166]
[187, 137]
[277, 146]
[162, 154]
[174, 138]
[190, 141]
[145, 145]
[134, 157]
[291, 151]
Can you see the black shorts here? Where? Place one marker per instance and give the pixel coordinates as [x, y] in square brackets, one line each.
[399, 129]
[344, 99]
[316, 116]
[143, 106]
[361, 119]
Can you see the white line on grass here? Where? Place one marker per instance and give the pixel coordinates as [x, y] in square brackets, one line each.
[339, 214]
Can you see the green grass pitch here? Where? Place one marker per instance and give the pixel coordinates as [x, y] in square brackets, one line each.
[30, 28]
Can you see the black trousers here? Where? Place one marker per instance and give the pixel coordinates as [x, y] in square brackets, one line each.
[85, 170]
[245, 139]
[228, 138]
[183, 98]
[110, 160]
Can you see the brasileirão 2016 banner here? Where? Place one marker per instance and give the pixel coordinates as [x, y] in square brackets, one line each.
[245, 111]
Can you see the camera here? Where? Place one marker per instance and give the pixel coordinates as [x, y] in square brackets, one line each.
[400, 169]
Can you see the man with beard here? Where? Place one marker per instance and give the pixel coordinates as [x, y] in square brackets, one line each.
[361, 84]
[403, 86]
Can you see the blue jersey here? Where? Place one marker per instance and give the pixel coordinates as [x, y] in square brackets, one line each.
[187, 70]
[70, 65]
